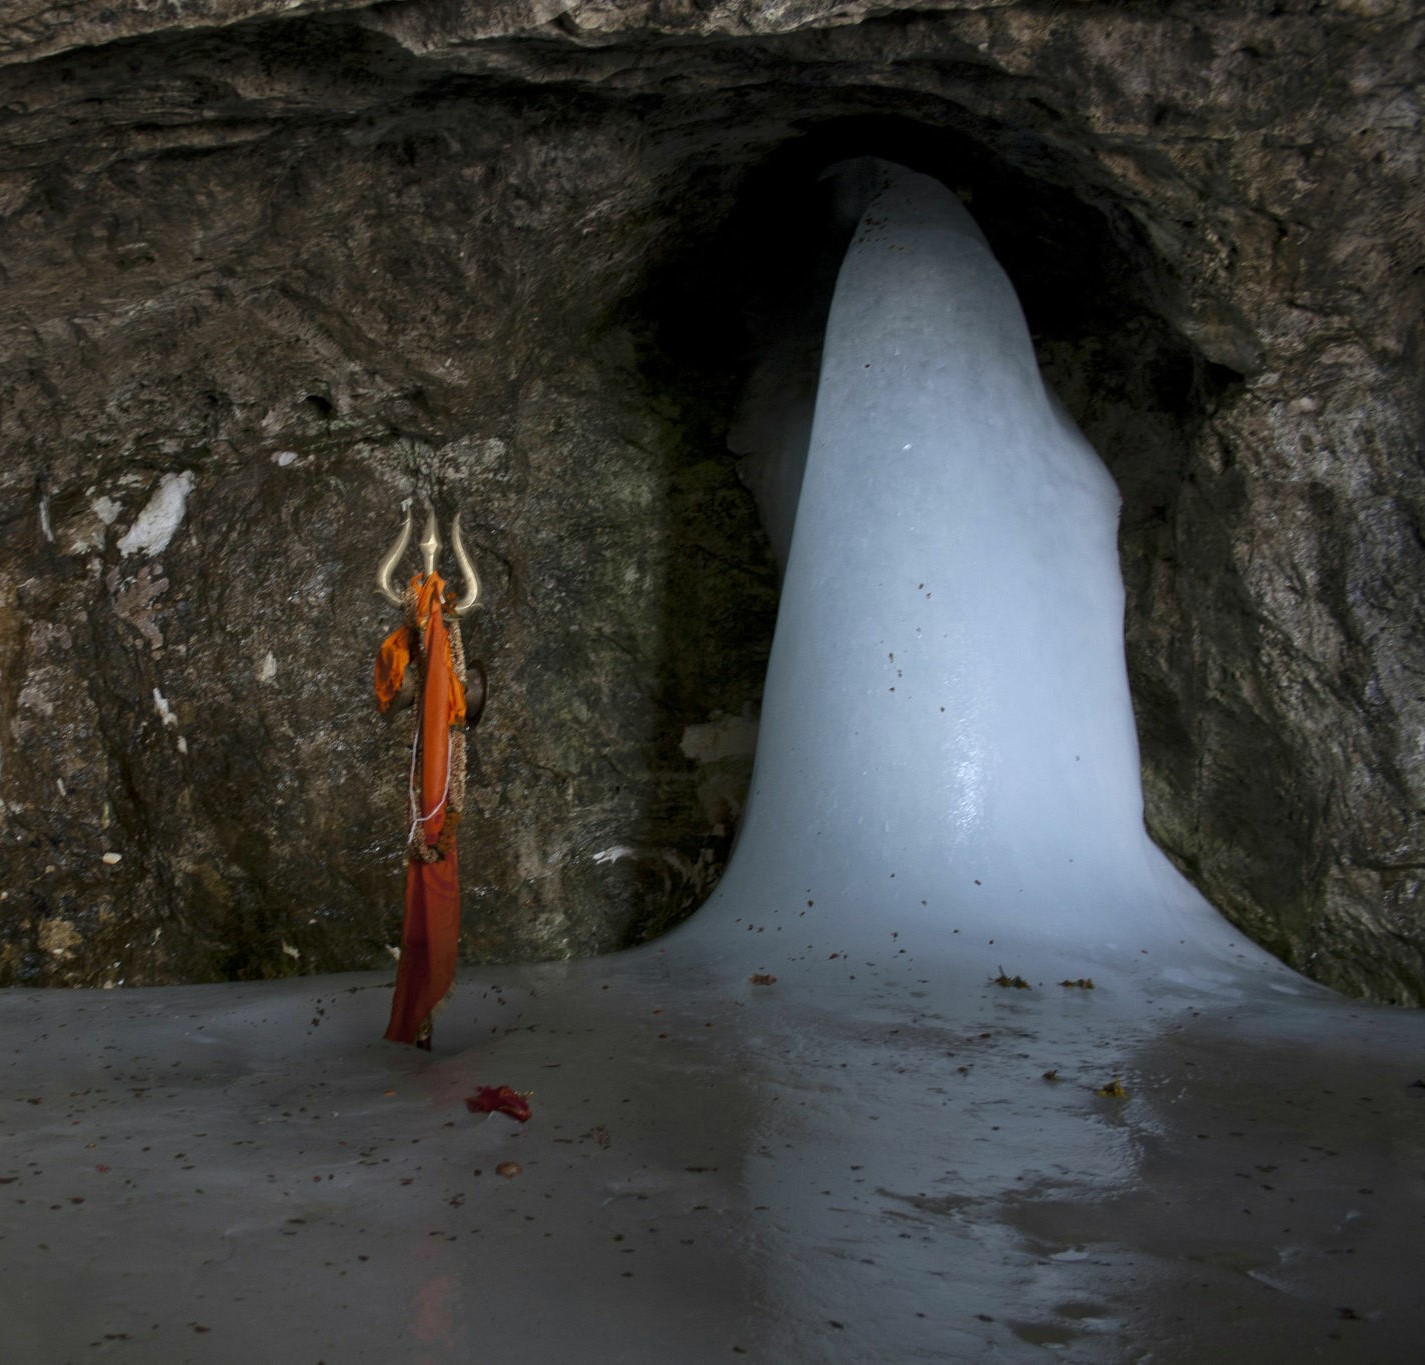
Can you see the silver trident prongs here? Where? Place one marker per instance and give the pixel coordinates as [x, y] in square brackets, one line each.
[430, 548]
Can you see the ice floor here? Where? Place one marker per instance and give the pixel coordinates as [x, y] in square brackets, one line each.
[864, 1160]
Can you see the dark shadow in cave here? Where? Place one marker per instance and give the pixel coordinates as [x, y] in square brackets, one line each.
[735, 321]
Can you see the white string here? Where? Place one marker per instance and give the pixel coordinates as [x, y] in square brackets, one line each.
[417, 819]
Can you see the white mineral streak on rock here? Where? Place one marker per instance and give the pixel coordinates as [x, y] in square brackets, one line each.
[165, 711]
[946, 739]
[161, 516]
[615, 854]
[106, 509]
[169, 718]
[267, 667]
[283, 458]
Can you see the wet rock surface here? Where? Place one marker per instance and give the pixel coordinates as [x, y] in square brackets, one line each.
[272, 269]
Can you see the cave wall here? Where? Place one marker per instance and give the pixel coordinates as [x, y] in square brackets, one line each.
[280, 267]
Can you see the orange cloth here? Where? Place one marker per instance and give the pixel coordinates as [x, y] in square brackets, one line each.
[391, 664]
[430, 936]
[430, 945]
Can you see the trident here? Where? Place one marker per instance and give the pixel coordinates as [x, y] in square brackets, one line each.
[430, 547]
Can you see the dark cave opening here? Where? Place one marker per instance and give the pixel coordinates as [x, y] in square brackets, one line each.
[1087, 277]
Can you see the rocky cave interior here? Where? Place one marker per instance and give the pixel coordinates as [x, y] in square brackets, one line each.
[317, 261]
[269, 269]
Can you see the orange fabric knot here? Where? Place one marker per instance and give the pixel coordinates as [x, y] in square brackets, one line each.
[430, 594]
[392, 660]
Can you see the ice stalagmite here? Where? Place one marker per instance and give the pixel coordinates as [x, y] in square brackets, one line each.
[947, 739]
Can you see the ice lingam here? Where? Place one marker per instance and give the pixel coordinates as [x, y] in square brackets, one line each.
[947, 742]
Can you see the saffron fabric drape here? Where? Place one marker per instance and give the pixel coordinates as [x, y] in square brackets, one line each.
[430, 937]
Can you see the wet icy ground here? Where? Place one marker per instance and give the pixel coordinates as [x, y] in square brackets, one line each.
[862, 1161]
